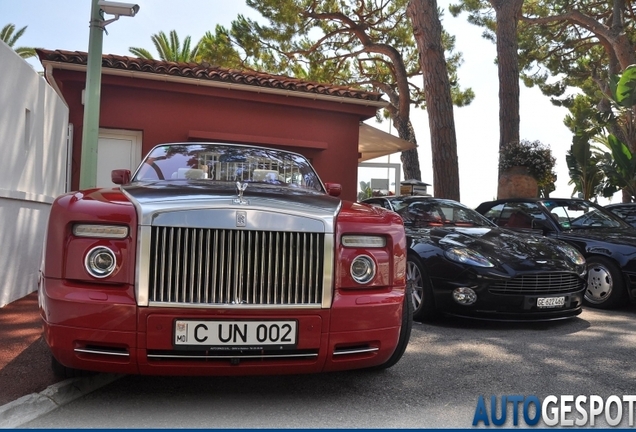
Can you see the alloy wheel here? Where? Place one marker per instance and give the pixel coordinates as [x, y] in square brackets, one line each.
[599, 284]
[416, 282]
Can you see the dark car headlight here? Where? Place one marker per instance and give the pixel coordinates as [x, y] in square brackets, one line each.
[573, 255]
[468, 256]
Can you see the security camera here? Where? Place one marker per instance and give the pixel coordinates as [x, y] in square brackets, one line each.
[116, 8]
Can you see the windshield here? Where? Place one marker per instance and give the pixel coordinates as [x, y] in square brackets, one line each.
[432, 213]
[576, 214]
[228, 163]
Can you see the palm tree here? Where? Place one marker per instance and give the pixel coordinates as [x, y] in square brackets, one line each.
[169, 48]
[8, 36]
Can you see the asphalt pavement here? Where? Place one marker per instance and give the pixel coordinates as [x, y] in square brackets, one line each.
[28, 387]
[526, 358]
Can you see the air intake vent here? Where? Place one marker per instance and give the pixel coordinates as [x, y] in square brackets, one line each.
[546, 283]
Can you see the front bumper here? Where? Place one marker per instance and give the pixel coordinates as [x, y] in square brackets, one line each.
[104, 330]
[505, 307]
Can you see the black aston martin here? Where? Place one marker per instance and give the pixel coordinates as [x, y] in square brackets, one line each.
[607, 242]
[460, 263]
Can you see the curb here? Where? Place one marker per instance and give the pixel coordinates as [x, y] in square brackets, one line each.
[34, 405]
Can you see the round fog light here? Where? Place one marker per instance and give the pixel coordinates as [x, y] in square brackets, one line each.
[464, 296]
[100, 262]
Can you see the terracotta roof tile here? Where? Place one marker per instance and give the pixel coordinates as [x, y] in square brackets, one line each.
[208, 72]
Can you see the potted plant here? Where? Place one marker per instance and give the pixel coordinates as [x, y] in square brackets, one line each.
[526, 169]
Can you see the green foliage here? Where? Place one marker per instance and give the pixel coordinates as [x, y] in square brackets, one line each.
[584, 170]
[582, 44]
[583, 159]
[619, 165]
[619, 168]
[216, 48]
[534, 155]
[365, 191]
[623, 89]
[169, 48]
[9, 36]
[565, 44]
[364, 45]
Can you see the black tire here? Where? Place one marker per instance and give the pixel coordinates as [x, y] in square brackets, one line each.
[421, 291]
[605, 285]
[405, 333]
[61, 371]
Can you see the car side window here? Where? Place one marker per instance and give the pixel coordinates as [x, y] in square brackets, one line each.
[517, 215]
[626, 213]
[524, 215]
[385, 204]
[378, 203]
[494, 214]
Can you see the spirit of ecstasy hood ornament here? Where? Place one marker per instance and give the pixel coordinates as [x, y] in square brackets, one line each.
[240, 187]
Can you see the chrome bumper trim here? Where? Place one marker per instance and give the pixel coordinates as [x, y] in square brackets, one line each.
[101, 352]
[348, 351]
[230, 357]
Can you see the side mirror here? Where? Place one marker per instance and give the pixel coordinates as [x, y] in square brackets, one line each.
[120, 176]
[333, 189]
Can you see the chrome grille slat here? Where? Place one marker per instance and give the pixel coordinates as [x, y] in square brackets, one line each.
[311, 273]
[273, 270]
[215, 264]
[239, 264]
[248, 264]
[222, 260]
[169, 278]
[206, 280]
[544, 284]
[200, 267]
[200, 264]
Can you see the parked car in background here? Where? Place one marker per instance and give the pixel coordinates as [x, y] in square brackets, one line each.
[625, 211]
[218, 259]
[607, 242]
[462, 264]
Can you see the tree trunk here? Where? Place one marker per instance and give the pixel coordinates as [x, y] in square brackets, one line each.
[508, 13]
[427, 30]
[410, 158]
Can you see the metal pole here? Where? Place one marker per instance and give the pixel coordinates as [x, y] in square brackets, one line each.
[92, 93]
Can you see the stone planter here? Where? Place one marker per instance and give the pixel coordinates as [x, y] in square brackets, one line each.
[516, 182]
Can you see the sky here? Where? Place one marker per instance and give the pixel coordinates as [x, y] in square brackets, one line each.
[64, 25]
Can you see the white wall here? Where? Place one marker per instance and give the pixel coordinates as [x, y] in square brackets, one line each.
[33, 147]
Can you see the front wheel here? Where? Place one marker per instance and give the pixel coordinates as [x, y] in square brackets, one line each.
[421, 291]
[605, 286]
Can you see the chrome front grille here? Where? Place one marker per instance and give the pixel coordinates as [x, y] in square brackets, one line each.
[543, 283]
[197, 266]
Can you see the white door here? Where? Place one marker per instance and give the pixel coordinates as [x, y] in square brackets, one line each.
[117, 149]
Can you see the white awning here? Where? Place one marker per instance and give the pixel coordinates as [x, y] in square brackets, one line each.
[373, 143]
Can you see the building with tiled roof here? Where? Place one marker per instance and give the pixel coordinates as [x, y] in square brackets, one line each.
[149, 102]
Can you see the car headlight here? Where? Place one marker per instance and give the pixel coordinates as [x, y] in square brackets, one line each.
[468, 256]
[573, 255]
[100, 262]
[362, 269]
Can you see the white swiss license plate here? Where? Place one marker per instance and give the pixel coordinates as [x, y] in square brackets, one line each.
[550, 302]
[235, 334]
